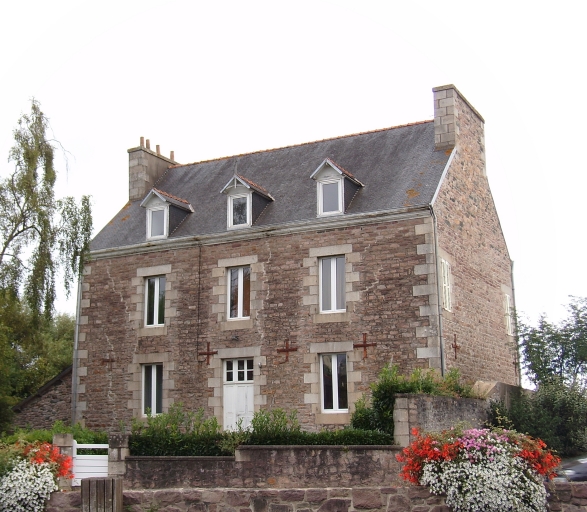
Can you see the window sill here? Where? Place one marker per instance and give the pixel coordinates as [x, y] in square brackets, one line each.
[160, 330]
[233, 325]
[333, 418]
[326, 318]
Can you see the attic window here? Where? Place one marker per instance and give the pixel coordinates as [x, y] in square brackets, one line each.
[335, 188]
[330, 197]
[157, 222]
[239, 210]
[245, 202]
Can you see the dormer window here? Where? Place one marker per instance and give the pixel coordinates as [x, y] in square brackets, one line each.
[330, 197]
[157, 222]
[239, 211]
[164, 213]
[336, 188]
[245, 202]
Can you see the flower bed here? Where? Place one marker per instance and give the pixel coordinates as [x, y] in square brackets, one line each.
[481, 469]
[28, 474]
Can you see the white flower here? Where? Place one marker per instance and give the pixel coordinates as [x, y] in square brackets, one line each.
[26, 487]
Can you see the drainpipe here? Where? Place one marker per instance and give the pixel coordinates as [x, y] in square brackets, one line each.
[75, 348]
[516, 331]
[439, 292]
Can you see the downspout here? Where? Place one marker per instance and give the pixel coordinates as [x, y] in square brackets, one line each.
[439, 292]
[516, 331]
[75, 349]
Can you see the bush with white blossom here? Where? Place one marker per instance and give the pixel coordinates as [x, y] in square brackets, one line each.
[28, 474]
[481, 469]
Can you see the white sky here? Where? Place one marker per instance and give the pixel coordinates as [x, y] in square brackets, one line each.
[210, 79]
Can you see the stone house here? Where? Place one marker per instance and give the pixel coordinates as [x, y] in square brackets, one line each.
[290, 277]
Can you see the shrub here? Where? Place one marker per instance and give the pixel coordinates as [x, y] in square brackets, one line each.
[555, 413]
[389, 382]
[481, 469]
[80, 434]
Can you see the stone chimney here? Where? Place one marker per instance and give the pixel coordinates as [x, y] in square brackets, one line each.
[452, 114]
[145, 167]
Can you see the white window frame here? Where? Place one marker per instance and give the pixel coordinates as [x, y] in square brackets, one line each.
[235, 370]
[152, 367]
[509, 315]
[321, 183]
[150, 211]
[333, 284]
[240, 292]
[446, 277]
[335, 380]
[157, 322]
[230, 217]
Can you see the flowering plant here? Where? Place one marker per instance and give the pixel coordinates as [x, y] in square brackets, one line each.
[481, 469]
[29, 476]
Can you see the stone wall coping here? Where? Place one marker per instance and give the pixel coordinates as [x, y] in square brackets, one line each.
[334, 447]
[410, 395]
[180, 457]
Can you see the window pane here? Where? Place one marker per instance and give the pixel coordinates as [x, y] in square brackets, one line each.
[148, 388]
[249, 369]
[246, 291]
[157, 222]
[228, 371]
[340, 283]
[159, 390]
[326, 285]
[241, 370]
[342, 385]
[327, 382]
[234, 293]
[239, 211]
[330, 197]
[161, 306]
[150, 301]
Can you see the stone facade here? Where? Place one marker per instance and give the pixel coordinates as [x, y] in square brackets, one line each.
[51, 403]
[470, 238]
[393, 291]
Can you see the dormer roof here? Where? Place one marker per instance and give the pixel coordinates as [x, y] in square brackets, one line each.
[338, 168]
[168, 198]
[239, 180]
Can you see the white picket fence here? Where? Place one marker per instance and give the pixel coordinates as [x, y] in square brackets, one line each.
[86, 466]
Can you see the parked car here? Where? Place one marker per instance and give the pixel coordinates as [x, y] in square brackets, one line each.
[575, 470]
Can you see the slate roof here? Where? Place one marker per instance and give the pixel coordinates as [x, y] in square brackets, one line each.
[398, 167]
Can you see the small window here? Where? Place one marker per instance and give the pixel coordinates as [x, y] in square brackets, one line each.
[509, 315]
[157, 222]
[333, 375]
[330, 197]
[239, 370]
[239, 211]
[332, 284]
[446, 284]
[155, 301]
[239, 292]
[152, 389]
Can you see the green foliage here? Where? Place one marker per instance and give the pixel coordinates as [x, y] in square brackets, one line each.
[554, 413]
[379, 416]
[180, 433]
[557, 352]
[38, 233]
[81, 434]
[177, 432]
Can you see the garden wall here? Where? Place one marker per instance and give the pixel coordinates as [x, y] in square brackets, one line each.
[431, 413]
[277, 467]
[565, 497]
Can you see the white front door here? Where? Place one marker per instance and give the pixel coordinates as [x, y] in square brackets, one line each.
[238, 393]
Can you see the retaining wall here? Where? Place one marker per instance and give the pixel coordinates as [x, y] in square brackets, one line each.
[565, 497]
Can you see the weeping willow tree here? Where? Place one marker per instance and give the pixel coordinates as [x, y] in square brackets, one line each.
[39, 234]
[41, 237]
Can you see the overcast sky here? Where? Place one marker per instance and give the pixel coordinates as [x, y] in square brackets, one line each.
[211, 79]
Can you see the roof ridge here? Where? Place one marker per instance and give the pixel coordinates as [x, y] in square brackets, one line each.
[302, 144]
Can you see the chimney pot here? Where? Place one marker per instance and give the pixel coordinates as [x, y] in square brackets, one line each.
[142, 142]
[148, 144]
[172, 156]
[157, 149]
